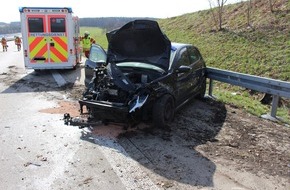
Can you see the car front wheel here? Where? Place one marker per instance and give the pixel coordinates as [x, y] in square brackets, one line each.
[163, 111]
[202, 89]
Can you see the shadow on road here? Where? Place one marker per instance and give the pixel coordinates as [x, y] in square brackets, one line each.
[173, 153]
[20, 81]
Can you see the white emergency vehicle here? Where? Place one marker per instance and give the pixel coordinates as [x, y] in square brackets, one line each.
[50, 37]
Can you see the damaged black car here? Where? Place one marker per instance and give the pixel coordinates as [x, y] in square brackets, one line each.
[142, 77]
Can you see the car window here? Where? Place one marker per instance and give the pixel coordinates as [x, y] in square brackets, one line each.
[193, 54]
[183, 58]
[97, 54]
[57, 24]
[35, 25]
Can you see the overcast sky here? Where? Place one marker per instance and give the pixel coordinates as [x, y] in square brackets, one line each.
[108, 8]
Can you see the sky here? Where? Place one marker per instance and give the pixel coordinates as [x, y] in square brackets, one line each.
[109, 8]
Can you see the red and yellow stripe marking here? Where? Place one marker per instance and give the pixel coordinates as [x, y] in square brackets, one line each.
[38, 47]
[59, 53]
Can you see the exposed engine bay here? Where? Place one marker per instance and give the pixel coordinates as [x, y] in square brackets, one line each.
[126, 89]
[111, 84]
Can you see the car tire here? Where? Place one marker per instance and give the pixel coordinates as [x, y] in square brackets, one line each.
[105, 122]
[202, 89]
[163, 111]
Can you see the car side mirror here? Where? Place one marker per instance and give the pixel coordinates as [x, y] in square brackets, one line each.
[183, 69]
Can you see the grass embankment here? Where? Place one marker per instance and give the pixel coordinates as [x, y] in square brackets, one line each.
[262, 49]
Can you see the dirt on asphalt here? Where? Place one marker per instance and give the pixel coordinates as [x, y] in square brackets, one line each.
[208, 128]
[219, 132]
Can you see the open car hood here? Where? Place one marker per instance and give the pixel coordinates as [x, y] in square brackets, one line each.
[140, 41]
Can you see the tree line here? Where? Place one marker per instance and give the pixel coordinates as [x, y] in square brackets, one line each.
[13, 27]
[107, 23]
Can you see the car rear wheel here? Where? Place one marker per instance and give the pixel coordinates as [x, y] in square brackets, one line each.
[163, 111]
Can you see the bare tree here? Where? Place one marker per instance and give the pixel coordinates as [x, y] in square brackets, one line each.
[271, 5]
[249, 13]
[221, 4]
[212, 12]
[220, 9]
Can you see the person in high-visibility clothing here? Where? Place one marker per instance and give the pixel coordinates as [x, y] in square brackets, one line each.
[18, 42]
[87, 41]
[4, 43]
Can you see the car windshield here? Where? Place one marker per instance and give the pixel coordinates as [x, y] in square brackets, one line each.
[97, 55]
[146, 65]
[140, 65]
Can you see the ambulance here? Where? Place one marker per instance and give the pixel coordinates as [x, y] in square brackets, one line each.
[50, 37]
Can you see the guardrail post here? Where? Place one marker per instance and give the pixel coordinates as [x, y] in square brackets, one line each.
[275, 102]
[210, 87]
[272, 116]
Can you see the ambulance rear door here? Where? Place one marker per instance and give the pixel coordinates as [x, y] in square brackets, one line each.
[48, 39]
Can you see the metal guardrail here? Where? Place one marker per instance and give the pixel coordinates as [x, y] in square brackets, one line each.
[277, 88]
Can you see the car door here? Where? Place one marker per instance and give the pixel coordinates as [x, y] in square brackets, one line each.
[183, 75]
[197, 64]
[96, 58]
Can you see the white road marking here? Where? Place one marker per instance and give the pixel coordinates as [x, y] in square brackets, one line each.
[58, 78]
[127, 169]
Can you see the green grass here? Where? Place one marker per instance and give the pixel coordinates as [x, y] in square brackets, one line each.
[241, 98]
[98, 34]
[263, 50]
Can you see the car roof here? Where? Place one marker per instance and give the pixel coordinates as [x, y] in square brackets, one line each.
[176, 45]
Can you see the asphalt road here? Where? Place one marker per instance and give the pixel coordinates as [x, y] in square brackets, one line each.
[37, 150]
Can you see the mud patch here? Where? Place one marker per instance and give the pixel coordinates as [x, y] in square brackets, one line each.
[115, 131]
[73, 92]
[252, 144]
[64, 107]
[109, 131]
[72, 107]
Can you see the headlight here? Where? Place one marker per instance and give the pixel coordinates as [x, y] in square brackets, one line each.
[138, 102]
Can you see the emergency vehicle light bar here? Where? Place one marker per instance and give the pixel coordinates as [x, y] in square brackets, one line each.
[45, 9]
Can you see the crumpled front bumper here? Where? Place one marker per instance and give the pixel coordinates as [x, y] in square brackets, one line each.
[102, 110]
